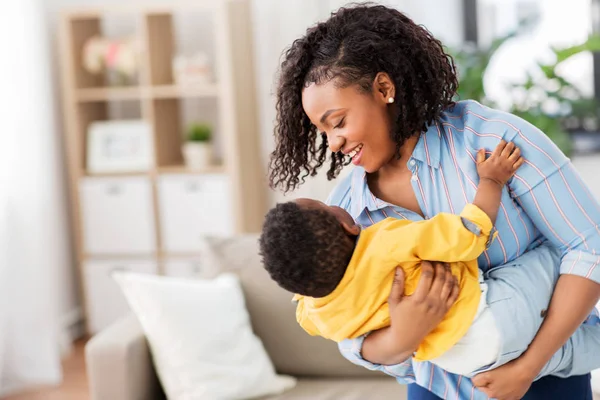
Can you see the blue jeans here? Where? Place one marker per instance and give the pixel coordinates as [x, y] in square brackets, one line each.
[546, 388]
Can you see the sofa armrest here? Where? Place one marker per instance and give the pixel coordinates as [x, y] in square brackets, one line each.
[119, 364]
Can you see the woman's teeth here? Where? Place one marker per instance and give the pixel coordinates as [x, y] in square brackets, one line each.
[355, 151]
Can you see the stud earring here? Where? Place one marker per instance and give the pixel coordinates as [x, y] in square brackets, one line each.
[391, 100]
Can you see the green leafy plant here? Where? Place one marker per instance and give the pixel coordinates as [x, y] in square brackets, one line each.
[199, 132]
[551, 102]
[546, 99]
[472, 62]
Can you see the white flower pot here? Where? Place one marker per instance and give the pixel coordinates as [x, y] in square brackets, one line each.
[197, 155]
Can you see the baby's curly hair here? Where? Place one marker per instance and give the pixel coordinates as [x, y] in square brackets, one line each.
[353, 46]
[306, 251]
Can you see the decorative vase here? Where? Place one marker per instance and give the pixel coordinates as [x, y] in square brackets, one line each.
[198, 155]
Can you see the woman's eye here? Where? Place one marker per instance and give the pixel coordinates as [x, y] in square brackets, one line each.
[340, 124]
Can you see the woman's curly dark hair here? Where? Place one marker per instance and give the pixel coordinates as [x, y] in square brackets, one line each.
[353, 46]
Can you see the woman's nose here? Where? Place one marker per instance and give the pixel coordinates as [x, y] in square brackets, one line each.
[336, 143]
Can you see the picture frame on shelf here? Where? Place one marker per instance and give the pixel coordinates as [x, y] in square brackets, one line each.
[119, 147]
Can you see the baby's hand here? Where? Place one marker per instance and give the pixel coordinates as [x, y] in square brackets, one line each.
[501, 165]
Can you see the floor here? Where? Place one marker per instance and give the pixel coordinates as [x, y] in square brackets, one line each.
[74, 386]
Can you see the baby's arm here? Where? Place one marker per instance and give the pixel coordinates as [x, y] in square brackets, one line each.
[494, 173]
[455, 238]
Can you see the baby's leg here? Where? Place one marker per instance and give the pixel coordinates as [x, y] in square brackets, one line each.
[579, 356]
[519, 293]
[518, 296]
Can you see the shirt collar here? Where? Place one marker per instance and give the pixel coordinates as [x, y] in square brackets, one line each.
[362, 197]
[427, 150]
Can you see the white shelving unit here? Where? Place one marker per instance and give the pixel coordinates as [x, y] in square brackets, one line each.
[152, 222]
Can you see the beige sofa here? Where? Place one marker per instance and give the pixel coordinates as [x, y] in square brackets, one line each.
[120, 365]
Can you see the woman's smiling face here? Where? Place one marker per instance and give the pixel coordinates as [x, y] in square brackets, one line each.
[356, 123]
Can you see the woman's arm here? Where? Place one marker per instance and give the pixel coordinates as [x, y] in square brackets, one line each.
[436, 291]
[571, 221]
[389, 349]
[553, 195]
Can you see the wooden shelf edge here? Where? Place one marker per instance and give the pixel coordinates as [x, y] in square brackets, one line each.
[182, 169]
[89, 95]
[178, 91]
[113, 257]
[109, 93]
[86, 174]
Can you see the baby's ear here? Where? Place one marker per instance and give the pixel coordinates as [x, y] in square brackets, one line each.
[353, 230]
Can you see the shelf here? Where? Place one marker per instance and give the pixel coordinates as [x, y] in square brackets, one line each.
[182, 169]
[140, 92]
[113, 174]
[111, 93]
[175, 91]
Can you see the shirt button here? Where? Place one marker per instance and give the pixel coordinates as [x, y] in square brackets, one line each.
[414, 178]
[412, 163]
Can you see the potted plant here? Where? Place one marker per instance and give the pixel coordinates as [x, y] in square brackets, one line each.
[198, 149]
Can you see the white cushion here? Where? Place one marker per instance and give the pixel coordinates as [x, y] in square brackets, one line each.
[200, 337]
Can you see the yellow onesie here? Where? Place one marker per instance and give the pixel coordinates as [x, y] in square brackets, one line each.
[359, 303]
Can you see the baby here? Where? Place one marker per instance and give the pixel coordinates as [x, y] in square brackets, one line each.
[342, 276]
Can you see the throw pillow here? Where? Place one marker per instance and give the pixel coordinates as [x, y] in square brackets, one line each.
[200, 336]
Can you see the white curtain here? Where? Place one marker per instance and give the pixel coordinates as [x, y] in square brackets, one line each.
[31, 236]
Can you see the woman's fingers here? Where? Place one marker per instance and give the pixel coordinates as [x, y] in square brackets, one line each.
[448, 286]
[427, 275]
[455, 292]
[438, 280]
[397, 287]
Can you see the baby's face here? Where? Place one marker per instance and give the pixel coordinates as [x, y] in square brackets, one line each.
[339, 213]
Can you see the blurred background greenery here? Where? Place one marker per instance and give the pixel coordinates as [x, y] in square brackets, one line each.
[546, 99]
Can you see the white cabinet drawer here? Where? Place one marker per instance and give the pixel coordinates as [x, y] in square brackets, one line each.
[104, 300]
[117, 216]
[192, 207]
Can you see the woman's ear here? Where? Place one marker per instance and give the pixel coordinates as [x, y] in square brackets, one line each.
[353, 230]
[384, 88]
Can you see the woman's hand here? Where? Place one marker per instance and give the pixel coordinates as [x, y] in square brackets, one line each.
[508, 382]
[424, 310]
[412, 317]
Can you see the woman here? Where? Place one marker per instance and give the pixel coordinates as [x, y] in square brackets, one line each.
[378, 90]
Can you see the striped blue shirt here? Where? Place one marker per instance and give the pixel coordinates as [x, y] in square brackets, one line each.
[545, 200]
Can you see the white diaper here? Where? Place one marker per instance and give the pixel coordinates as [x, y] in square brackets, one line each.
[479, 347]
